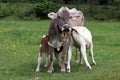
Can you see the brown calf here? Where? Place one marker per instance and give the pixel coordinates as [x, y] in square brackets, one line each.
[44, 48]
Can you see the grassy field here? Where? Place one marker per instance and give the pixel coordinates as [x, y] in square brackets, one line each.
[19, 43]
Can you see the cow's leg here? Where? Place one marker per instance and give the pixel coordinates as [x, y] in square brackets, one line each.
[64, 53]
[39, 62]
[92, 55]
[83, 52]
[47, 60]
[76, 56]
[58, 58]
[69, 58]
[63, 63]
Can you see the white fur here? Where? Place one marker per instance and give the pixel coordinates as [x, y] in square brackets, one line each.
[40, 45]
[55, 44]
[75, 11]
[69, 58]
[52, 15]
[77, 17]
[81, 39]
[39, 63]
[43, 36]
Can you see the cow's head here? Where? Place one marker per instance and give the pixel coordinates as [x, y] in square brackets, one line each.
[76, 17]
[62, 19]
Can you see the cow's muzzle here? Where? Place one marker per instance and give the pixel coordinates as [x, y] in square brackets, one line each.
[66, 28]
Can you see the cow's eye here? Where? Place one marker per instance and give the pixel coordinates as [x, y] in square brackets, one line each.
[70, 17]
[59, 17]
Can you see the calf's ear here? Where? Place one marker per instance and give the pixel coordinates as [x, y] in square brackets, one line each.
[52, 15]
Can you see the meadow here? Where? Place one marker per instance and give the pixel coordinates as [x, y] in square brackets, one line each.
[19, 44]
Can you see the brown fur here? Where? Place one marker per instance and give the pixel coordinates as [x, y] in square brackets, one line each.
[44, 45]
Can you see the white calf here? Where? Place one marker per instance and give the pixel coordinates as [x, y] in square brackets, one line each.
[77, 19]
[82, 39]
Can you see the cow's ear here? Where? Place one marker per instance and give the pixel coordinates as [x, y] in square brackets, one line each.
[52, 15]
[80, 12]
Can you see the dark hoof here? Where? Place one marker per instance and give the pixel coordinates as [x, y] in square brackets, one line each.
[93, 64]
[89, 67]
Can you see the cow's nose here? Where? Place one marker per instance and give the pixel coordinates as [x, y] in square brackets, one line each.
[66, 27]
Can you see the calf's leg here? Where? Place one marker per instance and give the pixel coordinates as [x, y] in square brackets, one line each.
[69, 58]
[47, 60]
[51, 69]
[39, 62]
[41, 50]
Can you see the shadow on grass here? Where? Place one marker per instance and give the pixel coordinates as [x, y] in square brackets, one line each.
[28, 69]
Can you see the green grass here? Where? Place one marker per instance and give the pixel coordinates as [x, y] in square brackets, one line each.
[19, 43]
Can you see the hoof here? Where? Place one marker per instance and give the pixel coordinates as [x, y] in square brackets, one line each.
[63, 71]
[89, 67]
[94, 63]
[50, 71]
[76, 61]
[37, 70]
